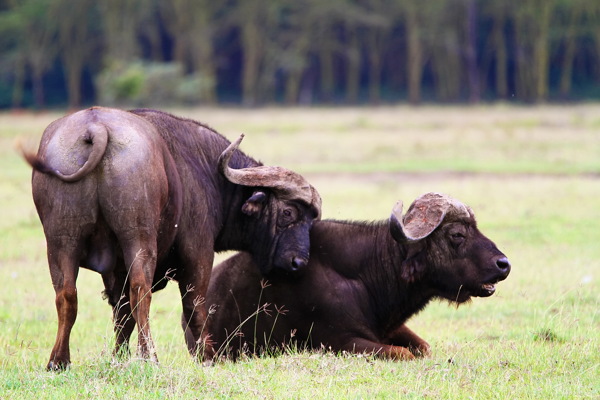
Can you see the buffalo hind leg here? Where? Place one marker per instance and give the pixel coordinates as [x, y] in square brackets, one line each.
[63, 270]
[140, 256]
[403, 336]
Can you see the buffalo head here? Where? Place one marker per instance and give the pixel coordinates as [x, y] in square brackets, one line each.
[279, 212]
[446, 248]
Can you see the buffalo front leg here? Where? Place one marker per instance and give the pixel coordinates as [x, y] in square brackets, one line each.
[190, 340]
[124, 324]
[193, 284]
[117, 293]
[365, 346]
[63, 270]
[195, 323]
[141, 258]
[403, 336]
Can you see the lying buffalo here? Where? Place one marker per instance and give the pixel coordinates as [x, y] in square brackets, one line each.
[363, 281]
[143, 196]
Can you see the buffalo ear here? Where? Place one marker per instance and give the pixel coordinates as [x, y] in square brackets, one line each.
[413, 265]
[254, 205]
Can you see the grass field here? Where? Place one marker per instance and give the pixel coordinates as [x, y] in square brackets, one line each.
[531, 174]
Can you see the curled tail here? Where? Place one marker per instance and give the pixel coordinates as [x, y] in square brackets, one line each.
[96, 136]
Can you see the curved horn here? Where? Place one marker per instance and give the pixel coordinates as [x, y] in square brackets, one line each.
[287, 184]
[225, 156]
[424, 215]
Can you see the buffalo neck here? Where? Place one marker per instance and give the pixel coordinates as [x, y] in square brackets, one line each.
[237, 232]
[366, 252]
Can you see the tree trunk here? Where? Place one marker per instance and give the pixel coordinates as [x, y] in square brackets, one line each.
[120, 25]
[471, 53]
[73, 68]
[292, 87]
[374, 49]
[326, 68]
[205, 63]
[149, 26]
[542, 51]
[38, 88]
[447, 50]
[501, 59]
[19, 83]
[76, 42]
[353, 66]
[193, 27]
[446, 64]
[325, 52]
[525, 30]
[295, 71]
[596, 69]
[251, 45]
[566, 73]
[415, 54]
[152, 34]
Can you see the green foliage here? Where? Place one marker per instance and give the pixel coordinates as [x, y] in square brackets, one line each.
[307, 51]
[128, 85]
[536, 338]
[193, 89]
[149, 84]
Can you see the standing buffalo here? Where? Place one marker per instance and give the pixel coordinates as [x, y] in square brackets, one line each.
[363, 281]
[143, 196]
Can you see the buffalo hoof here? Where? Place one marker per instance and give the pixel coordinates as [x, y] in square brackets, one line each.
[423, 350]
[58, 366]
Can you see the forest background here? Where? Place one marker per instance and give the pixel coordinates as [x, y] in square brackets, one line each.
[63, 53]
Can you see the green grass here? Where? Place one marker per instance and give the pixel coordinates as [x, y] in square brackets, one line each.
[530, 174]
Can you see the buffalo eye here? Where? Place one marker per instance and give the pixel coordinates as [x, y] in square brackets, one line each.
[288, 215]
[457, 236]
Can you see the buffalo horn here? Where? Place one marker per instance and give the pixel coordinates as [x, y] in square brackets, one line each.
[288, 185]
[424, 215]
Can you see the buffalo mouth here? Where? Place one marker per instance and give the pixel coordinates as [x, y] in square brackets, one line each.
[486, 289]
[476, 290]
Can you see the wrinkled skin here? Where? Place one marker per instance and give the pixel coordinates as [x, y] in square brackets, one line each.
[137, 197]
[363, 281]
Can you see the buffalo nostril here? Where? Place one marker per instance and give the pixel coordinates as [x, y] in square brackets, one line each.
[503, 264]
[298, 263]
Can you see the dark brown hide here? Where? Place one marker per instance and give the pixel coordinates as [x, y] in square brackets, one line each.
[363, 281]
[138, 197]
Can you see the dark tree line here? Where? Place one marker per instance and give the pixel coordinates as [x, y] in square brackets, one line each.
[64, 52]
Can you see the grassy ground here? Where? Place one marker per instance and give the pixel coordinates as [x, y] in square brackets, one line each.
[531, 174]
